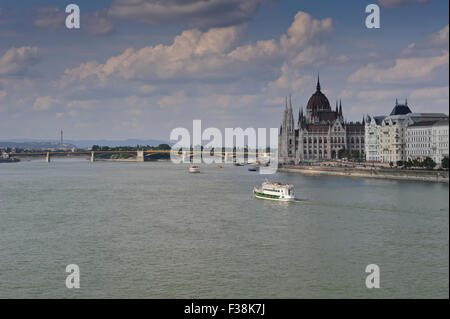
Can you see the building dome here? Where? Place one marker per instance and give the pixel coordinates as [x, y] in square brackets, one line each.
[318, 101]
[400, 109]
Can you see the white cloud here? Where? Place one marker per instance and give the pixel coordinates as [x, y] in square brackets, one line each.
[192, 53]
[404, 70]
[43, 103]
[146, 89]
[431, 93]
[213, 54]
[18, 61]
[440, 37]
[176, 99]
[304, 31]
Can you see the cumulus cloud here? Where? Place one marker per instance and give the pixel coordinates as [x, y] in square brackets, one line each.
[43, 103]
[18, 61]
[431, 93]
[399, 3]
[305, 30]
[440, 38]
[193, 53]
[432, 45]
[197, 13]
[211, 54]
[403, 70]
[176, 99]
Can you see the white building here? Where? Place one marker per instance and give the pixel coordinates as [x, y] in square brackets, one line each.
[393, 138]
[439, 140]
[372, 138]
[419, 140]
[386, 136]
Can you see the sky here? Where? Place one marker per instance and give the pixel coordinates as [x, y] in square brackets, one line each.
[140, 68]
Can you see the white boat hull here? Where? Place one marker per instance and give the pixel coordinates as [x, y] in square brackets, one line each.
[258, 193]
[194, 170]
[275, 199]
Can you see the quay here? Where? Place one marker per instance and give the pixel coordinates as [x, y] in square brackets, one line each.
[371, 172]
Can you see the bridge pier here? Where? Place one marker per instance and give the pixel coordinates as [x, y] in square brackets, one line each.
[92, 157]
[47, 157]
[140, 156]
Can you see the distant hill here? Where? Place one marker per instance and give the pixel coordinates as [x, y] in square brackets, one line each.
[114, 143]
[35, 143]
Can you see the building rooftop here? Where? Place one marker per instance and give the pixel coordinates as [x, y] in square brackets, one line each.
[442, 122]
[440, 115]
[401, 109]
[424, 123]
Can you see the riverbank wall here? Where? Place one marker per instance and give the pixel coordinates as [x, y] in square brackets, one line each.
[381, 173]
[9, 160]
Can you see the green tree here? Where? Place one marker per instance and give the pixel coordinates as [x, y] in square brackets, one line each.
[444, 162]
[408, 163]
[164, 147]
[355, 154]
[428, 163]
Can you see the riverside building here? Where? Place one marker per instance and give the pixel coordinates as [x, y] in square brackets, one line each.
[387, 137]
[321, 133]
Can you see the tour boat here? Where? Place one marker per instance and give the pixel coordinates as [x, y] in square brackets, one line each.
[275, 191]
[194, 169]
[253, 168]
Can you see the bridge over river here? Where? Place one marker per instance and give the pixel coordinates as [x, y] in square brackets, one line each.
[141, 155]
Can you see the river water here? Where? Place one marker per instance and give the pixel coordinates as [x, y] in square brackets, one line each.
[152, 230]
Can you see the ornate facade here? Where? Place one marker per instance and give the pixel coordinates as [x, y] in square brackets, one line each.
[321, 133]
[386, 136]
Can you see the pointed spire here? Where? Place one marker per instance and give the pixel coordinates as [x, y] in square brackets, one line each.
[396, 102]
[290, 102]
[318, 82]
[283, 124]
[406, 101]
[340, 107]
[290, 114]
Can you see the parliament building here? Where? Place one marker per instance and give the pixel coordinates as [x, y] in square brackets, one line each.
[321, 133]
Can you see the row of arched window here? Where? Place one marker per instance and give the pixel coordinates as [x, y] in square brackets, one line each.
[334, 140]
